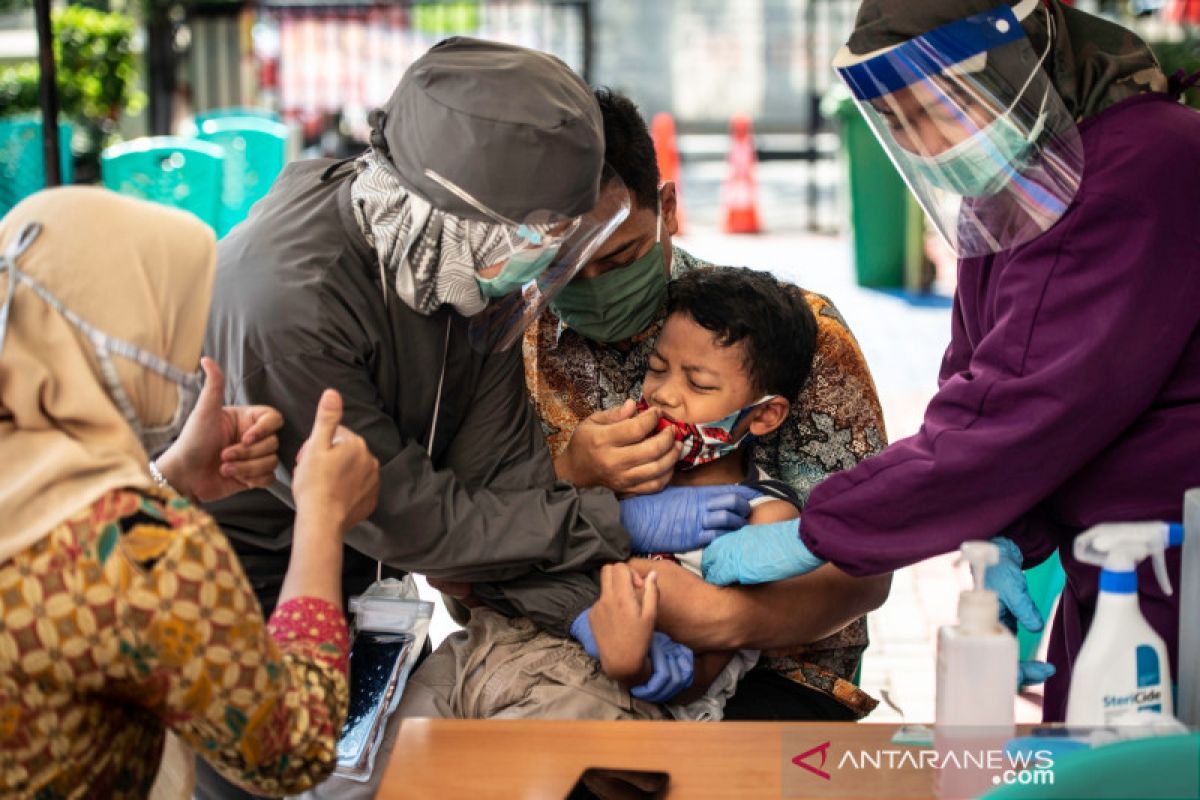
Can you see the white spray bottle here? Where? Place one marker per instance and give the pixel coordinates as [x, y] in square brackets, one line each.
[977, 658]
[1123, 667]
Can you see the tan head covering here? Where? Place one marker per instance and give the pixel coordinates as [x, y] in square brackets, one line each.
[136, 271]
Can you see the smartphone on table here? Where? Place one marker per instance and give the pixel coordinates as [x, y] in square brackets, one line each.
[601, 783]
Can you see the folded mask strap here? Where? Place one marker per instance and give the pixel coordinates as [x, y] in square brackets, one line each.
[745, 412]
[8, 264]
[112, 381]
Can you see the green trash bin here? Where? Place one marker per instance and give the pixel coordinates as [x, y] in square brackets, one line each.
[22, 163]
[183, 173]
[255, 152]
[876, 198]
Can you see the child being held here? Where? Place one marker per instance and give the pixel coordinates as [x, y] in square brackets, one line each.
[735, 350]
[737, 346]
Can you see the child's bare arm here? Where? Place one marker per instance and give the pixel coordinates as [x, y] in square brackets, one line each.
[772, 511]
[705, 669]
[622, 621]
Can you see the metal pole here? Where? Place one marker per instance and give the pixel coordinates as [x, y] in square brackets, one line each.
[160, 68]
[47, 92]
[814, 122]
[589, 43]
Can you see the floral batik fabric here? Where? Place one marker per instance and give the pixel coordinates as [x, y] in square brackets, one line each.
[835, 423]
[134, 616]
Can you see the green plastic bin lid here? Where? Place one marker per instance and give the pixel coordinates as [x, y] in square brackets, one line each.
[184, 173]
[255, 153]
[247, 112]
[838, 103]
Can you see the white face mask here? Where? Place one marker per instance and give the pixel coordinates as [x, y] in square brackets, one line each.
[154, 439]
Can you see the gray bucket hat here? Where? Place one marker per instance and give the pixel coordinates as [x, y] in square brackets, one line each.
[513, 127]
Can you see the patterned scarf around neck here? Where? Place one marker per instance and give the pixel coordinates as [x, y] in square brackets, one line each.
[428, 256]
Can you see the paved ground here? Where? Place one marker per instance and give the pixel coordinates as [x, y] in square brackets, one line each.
[903, 342]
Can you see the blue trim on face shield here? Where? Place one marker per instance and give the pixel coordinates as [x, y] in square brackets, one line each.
[932, 53]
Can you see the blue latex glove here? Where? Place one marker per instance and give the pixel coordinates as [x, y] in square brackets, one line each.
[672, 670]
[581, 631]
[1007, 580]
[683, 518]
[1030, 673]
[758, 554]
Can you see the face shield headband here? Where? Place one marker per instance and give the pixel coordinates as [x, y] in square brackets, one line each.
[535, 258]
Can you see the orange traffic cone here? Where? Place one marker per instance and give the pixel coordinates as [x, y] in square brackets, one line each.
[666, 150]
[739, 194]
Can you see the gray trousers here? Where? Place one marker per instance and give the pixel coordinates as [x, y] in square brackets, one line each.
[501, 668]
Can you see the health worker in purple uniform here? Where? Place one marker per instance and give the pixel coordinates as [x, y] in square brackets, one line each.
[1049, 149]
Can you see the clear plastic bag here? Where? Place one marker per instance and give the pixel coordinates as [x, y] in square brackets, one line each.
[390, 630]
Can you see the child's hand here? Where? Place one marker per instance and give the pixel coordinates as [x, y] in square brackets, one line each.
[622, 621]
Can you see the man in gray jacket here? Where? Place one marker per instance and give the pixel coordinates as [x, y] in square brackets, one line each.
[391, 277]
[378, 277]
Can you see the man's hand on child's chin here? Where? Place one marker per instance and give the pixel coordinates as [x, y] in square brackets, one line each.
[618, 449]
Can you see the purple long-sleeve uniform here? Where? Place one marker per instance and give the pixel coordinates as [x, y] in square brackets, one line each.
[1069, 394]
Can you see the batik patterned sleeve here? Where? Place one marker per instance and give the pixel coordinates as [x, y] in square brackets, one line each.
[837, 421]
[834, 424]
[264, 703]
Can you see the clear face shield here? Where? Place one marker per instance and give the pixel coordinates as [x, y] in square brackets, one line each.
[975, 127]
[525, 263]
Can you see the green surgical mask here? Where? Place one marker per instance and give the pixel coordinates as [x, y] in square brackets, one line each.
[618, 304]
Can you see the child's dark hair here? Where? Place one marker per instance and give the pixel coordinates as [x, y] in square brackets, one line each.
[744, 305]
[628, 148]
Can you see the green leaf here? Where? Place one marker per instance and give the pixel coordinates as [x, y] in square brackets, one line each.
[97, 68]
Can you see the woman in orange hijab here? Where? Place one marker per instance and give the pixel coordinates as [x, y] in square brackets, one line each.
[123, 610]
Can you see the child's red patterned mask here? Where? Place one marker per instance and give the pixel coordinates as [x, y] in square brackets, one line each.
[708, 441]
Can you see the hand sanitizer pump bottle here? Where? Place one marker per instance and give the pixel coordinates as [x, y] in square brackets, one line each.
[1123, 668]
[976, 684]
[977, 658]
